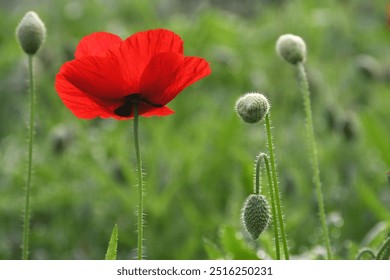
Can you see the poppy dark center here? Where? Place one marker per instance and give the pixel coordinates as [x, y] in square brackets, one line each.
[130, 100]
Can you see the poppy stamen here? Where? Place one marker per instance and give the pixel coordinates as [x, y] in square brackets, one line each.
[125, 110]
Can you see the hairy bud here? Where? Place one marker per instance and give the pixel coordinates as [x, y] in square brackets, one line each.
[31, 33]
[252, 107]
[255, 215]
[291, 48]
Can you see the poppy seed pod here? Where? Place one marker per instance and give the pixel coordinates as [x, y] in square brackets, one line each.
[291, 48]
[31, 33]
[252, 107]
[255, 215]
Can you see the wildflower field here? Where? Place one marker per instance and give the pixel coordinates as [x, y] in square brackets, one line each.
[199, 162]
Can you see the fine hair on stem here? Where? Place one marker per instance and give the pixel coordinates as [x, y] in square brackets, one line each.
[313, 155]
[275, 184]
[26, 216]
[140, 184]
[262, 157]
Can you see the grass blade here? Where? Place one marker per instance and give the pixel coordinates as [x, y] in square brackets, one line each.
[384, 250]
[112, 245]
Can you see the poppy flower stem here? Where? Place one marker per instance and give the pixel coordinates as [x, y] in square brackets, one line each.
[313, 155]
[26, 217]
[140, 183]
[263, 157]
[276, 186]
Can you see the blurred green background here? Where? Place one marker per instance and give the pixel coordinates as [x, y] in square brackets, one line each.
[199, 161]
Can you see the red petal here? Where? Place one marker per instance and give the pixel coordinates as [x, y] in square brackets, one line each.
[96, 44]
[148, 111]
[103, 78]
[151, 42]
[77, 101]
[82, 105]
[190, 71]
[143, 46]
[168, 74]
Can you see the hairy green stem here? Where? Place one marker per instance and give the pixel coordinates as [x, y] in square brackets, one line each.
[313, 155]
[140, 183]
[276, 186]
[257, 174]
[263, 156]
[26, 216]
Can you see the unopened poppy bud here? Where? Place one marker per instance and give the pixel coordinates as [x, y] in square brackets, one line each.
[291, 48]
[368, 67]
[31, 33]
[388, 177]
[349, 128]
[252, 107]
[61, 139]
[255, 215]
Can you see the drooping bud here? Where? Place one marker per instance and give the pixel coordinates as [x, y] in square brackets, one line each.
[291, 48]
[255, 215]
[31, 33]
[252, 107]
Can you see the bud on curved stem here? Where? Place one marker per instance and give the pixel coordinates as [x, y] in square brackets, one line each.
[255, 215]
[293, 49]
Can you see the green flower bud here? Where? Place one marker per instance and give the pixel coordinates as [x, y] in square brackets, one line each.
[369, 67]
[349, 127]
[388, 177]
[291, 48]
[255, 215]
[31, 33]
[252, 107]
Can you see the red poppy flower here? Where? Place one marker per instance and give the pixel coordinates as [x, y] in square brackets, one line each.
[108, 74]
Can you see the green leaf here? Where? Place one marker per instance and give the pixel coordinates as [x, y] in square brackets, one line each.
[112, 245]
[384, 250]
[374, 238]
[366, 254]
[371, 199]
[235, 245]
[212, 250]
